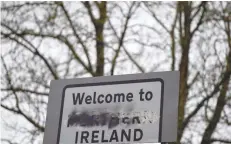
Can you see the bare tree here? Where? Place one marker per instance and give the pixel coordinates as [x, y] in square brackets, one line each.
[188, 32]
[42, 41]
[49, 40]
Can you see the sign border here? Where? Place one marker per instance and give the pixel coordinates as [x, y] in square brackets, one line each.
[114, 83]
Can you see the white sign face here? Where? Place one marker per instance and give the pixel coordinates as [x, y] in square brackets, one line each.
[112, 112]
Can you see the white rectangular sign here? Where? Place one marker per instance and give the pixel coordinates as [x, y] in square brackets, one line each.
[116, 112]
[137, 108]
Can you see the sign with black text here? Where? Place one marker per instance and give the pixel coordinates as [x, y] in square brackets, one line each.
[112, 111]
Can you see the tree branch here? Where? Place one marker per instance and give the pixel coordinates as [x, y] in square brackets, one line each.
[155, 17]
[221, 99]
[172, 34]
[89, 9]
[58, 37]
[34, 51]
[220, 140]
[25, 90]
[215, 91]
[77, 36]
[122, 37]
[18, 110]
[203, 5]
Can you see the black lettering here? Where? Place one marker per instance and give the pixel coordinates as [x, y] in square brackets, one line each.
[129, 97]
[141, 93]
[118, 97]
[94, 136]
[114, 136]
[150, 97]
[124, 134]
[84, 136]
[110, 98]
[102, 138]
[137, 119]
[77, 98]
[76, 137]
[135, 134]
[94, 98]
[100, 101]
[88, 99]
[124, 120]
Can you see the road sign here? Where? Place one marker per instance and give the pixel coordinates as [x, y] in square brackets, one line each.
[137, 108]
